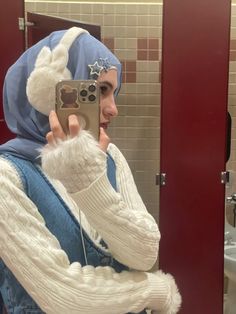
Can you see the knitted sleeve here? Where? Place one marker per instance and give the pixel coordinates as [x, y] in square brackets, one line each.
[36, 259]
[121, 218]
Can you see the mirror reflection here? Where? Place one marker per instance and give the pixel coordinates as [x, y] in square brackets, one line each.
[133, 32]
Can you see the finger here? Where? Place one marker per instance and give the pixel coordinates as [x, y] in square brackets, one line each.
[74, 126]
[50, 138]
[56, 127]
[104, 140]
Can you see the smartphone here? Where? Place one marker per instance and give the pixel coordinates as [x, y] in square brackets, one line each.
[80, 97]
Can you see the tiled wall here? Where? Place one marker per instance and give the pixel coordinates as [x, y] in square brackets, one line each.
[133, 32]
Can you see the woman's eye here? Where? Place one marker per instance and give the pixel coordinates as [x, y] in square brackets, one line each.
[103, 89]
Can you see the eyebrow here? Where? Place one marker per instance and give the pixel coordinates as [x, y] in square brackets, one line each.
[107, 83]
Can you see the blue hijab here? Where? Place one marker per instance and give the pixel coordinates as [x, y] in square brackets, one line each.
[29, 125]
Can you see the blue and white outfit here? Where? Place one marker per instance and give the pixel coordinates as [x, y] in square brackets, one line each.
[75, 236]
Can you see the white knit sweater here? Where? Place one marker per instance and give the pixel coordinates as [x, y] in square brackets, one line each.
[35, 257]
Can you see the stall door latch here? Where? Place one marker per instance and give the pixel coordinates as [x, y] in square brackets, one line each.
[22, 23]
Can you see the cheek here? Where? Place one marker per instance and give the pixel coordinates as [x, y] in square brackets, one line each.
[108, 104]
[104, 101]
[101, 104]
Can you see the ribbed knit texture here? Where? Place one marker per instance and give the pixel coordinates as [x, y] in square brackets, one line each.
[77, 162]
[34, 255]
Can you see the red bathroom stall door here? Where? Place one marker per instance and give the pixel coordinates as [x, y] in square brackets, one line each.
[43, 25]
[12, 45]
[193, 148]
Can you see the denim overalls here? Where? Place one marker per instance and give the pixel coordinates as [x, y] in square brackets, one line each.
[62, 224]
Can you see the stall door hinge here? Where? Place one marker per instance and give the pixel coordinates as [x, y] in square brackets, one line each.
[224, 177]
[161, 179]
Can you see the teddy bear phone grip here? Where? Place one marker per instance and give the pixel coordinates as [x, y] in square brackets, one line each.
[80, 97]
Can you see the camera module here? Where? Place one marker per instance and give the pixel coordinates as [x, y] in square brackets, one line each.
[91, 98]
[83, 93]
[92, 88]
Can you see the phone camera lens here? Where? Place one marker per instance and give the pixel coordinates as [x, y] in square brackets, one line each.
[92, 88]
[91, 97]
[83, 93]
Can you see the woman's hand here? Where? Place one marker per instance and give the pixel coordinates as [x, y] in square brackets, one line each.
[57, 132]
[76, 159]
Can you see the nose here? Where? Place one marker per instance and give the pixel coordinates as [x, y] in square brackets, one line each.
[110, 108]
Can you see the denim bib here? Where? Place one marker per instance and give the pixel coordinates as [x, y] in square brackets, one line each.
[62, 224]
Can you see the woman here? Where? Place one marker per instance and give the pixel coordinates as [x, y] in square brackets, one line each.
[75, 236]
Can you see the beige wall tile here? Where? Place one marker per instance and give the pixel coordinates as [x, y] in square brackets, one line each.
[41, 7]
[232, 77]
[109, 20]
[155, 32]
[120, 31]
[52, 7]
[131, 32]
[232, 100]
[142, 31]
[154, 9]
[232, 89]
[143, 9]
[98, 8]
[146, 77]
[124, 43]
[132, 20]
[155, 20]
[108, 31]
[233, 10]
[31, 7]
[108, 8]
[143, 66]
[141, 154]
[143, 20]
[98, 19]
[87, 8]
[233, 32]
[233, 21]
[86, 17]
[132, 9]
[126, 54]
[232, 66]
[121, 43]
[131, 43]
[75, 8]
[120, 19]
[131, 54]
[120, 8]
[64, 8]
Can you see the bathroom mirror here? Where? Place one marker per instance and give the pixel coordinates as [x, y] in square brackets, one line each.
[133, 31]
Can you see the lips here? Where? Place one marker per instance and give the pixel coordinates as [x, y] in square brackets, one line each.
[104, 125]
